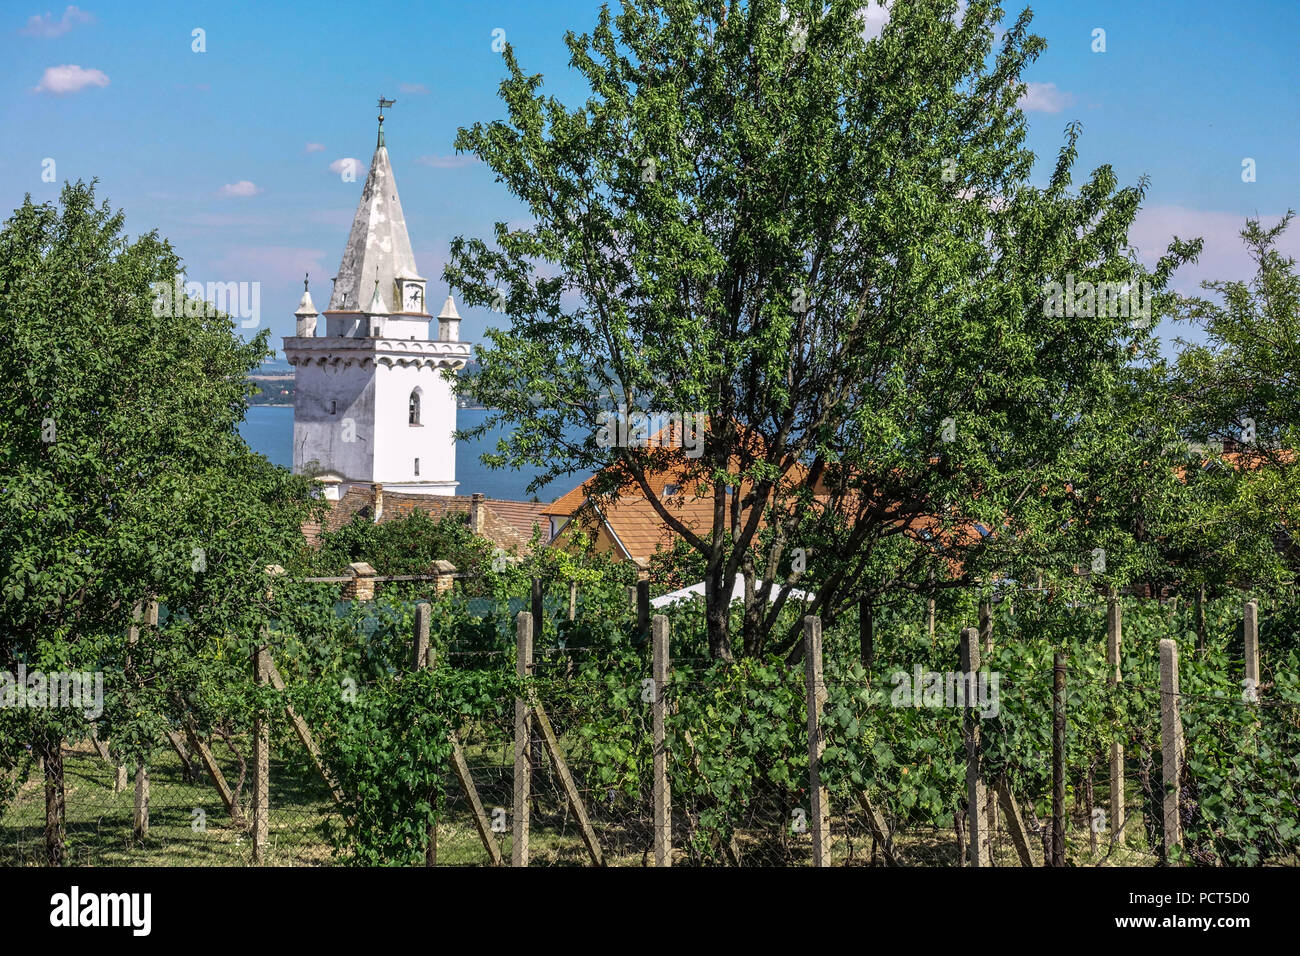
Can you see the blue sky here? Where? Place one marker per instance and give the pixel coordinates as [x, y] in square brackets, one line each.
[213, 149]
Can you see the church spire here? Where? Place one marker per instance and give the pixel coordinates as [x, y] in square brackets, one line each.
[378, 246]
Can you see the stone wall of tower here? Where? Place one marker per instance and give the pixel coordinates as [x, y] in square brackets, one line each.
[333, 419]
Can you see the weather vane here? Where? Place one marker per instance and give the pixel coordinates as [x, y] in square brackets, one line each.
[383, 105]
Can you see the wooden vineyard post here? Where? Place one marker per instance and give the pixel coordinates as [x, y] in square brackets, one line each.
[1058, 760]
[304, 734]
[816, 692]
[420, 646]
[1200, 620]
[662, 794]
[422, 658]
[1171, 740]
[1250, 629]
[214, 771]
[535, 758]
[140, 810]
[481, 822]
[573, 599]
[1016, 825]
[570, 787]
[523, 740]
[261, 763]
[1114, 646]
[981, 850]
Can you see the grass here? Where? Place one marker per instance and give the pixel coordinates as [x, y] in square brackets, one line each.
[188, 824]
[190, 827]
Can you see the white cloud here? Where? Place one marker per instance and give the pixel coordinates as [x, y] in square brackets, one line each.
[69, 78]
[339, 166]
[1223, 255]
[314, 148]
[240, 189]
[447, 162]
[1045, 98]
[46, 26]
[874, 17]
[415, 89]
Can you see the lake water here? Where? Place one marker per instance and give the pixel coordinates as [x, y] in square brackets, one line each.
[269, 431]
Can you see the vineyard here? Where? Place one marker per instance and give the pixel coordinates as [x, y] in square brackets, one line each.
[418, 728]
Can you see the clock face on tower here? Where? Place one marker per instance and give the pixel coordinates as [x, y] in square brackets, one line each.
[413, 297]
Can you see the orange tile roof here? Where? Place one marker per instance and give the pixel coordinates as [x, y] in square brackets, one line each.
[514, 522]
[687, 473]
[640, 529]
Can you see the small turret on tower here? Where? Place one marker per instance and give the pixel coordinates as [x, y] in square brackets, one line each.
[449, 322]
[306, 313]
[377, 313]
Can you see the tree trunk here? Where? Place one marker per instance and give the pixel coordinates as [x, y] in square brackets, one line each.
[55, 802]
[717, 614]
[753, 633]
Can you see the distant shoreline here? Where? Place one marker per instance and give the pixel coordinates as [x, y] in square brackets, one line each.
[463, 408]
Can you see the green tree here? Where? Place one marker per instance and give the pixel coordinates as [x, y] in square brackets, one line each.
[409, 545]
[1239, 392]
[124, 480]
[830, 245]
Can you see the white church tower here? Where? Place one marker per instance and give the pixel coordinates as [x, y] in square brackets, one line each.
[370, 405]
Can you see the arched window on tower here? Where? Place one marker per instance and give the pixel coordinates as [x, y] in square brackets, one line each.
[413, 413]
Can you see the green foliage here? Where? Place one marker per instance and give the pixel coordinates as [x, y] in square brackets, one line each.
[1240, 388]
[389, 748]
[124, 477]
[749, 217]
[409, 545]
